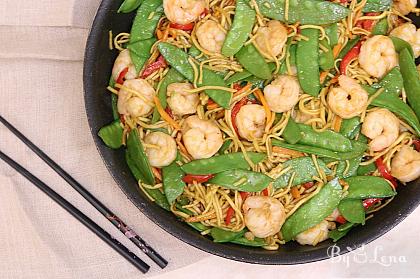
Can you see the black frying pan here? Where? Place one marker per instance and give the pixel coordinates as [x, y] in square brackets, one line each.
[97, 70]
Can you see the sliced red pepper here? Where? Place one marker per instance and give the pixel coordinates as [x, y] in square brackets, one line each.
[265, 192]
[343, 1]
[244, 195]
[369, 202]
[169, 112]
[204, 13]
[416, 144]
[229, 215]
[308, 185]
[340, 219]
[237, 86]
[353, 53]
[184, 27]
[235, 111]
[367, 24]
[384, 171]
[153, 67]
[121, 76]
[199, 178]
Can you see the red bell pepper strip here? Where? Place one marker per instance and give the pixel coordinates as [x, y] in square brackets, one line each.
[184, 27]
[120, 79]
[340, 219]
[308, 185]
[265, 192]
[204, 13]
[353, 53]
[190, 178]
[367, 24]
[169, 112]
[369, 202]
[229, 215]
[384, 171]
[237, 86]
[244, 195]
[235, 111]
[153, 67]
[416, 144]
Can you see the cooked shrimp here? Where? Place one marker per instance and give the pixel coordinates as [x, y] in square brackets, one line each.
[404, 6]
[183, 11]
[282, 94]
[348, 100]
[405, 165]
[378, 56]
[132, 104]
[250, 121]
[382, 127]
[211, 36]
[410, 34]
[263, 215]
[180, 101]
[271, 38]
[160, 149]
[124, 61]
[202, 138]
[314, 235]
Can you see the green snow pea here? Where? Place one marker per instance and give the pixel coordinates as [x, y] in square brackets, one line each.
[156, 194]
[353, 211]
[136, 152]
[313, 211]
[350, 127]
[350, 44]
[327, 139]
[222, 163]
[366, 169]
[178, 59]
[292, 133]
[238, 77]
[332, 33]
[114, 100]
[303, 11]
[346, 226]
[143, 25]
[221, 235]
[292, 59]
[140, 52]
[341, 231]
[256, 242]
[411, 80]
[171, 77]
[400, 44]
[224, 147]
[241, 28]
[377, 6]
[326, 59]
[392, 83]
[363, 187]
[129, 5]
[307, 62]
[304, 169]
[381, 27]
[241, 180]
[351, 165]
[112, 134]
[173, 186]
[196, 225]
[249, 57]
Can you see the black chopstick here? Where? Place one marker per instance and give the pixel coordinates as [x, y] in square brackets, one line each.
[114, 219]
[121, 249]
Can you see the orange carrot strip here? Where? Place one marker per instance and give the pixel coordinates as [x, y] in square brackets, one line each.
[263, 101]
[165, 115]
[336, 50]
[285, 151]
[295, 192]
[337, 123]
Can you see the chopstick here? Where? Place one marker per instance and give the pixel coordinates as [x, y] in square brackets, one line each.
[114, 219]
[95, 228]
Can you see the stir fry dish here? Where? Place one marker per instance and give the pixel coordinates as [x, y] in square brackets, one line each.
[259, 122]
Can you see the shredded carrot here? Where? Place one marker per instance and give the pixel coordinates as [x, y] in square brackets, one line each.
[285, 151]
[295, 192]
[263, 101]
[337, 49]
[245, 88]
[159, 34]
[200, 218]
[337, 123]
[165, 115]
[212, 105]
[157, 173]
[181, 146]
[322, 76]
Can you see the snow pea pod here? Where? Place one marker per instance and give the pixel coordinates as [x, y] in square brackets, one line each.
[377, 6]
[341, 231]
[332, 33]
[220, 235]
[144, 25]
[400, 44]
[366, 169]
[136, 152]
[222, 163]
[256, 242]
[196, 225]
[307, 62]
[140, 52]
[112, 134]
[292, 133]
[292, 59]
[129, 5]
[304, 169]
[348, 168]
[173, 186]
[240, 29]
[327, 139]
[363, 187]
[313, 211]
[326, 58]
[224, 147]
[249, 57]
[171, 77]
[350, 44]
[411, 80]
[353, 211]
[381, 27]
[392, 83]
[238, 77]
[350, 127]
[303, 11]
[241, 180]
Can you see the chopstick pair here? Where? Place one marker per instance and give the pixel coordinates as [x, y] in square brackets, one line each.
[114, 219]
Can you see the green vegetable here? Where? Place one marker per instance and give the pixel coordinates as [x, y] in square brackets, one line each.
[249, 57]
[392, 83]
[240, 29]
[337, 234]
[220, 235]
[400, 44]
[136, 152]
[171, 77]
[140, 52]
[238, 77]
[224, 147]
[351, 165]
[350, 44]
[222, 163]
[114, 101]
[304, 169]
[332, 33]
[292, 59]
[143, 26]
[173, 186]
[411, 80]
[221, 97]
[346, 226]
[256, 242]
[292, 133]
[196, 225]
[350, 127]
[353, 211]
[366, 169]
[326, 59]
[307, 61]
[377, 6]
[129, 5]
[112, 134]
[363, 187]
[313, 211]
[381, 27]
[303, 11]
[241, 180]
[327, 139]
